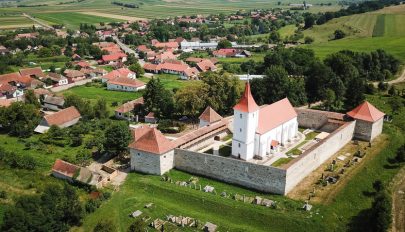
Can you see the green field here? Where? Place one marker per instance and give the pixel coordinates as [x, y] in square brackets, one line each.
[365, 32]
[11, 22]
[160, 8]
[72, 19]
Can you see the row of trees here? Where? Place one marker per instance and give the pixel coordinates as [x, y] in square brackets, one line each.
[218, 90]
[340, 80]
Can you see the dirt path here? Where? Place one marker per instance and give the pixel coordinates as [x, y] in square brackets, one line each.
[400, 79]
[398, 202]
[37, 21]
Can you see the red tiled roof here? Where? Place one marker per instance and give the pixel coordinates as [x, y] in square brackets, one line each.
[225, 52]
[122, 72]
[191, 71]
[83, 64]
[166, 45]
[32, 71]
[5, 102]
[138, 132]
[366, 112]
[126, 107]
[194, 59]
[151, 67]
[73, 73]
[5, 78]
[63, 116]
[125, 81]
[174, 67]
[246, 103]
[65, 168]
[209, 115]
[154, 142]
[206, 65]
[113, 57]
[272, 116]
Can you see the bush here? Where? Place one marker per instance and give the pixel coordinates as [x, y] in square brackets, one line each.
[15, 160]
[3, 194]
[400, 157]
[104, 226]
[92, 205]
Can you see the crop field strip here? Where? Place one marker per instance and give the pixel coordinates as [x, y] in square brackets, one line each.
[379, 27]
[73, 19]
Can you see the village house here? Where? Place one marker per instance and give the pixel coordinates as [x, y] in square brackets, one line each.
[64, 118]
[206, 65]
[125, 84]
[151, 118]
[33, 72]
[54, 103]
[225, 52]
[122, 72]
[190, 74]
[166, 45]
[5, 102]
[127, 110]
[57, 79]
[74, 75]
[114, 58]
[84, 175]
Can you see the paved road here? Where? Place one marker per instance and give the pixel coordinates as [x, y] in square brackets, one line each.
[128, 50]
[38, 22]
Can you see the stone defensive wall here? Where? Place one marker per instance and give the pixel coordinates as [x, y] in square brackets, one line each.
[311, 159]
[267, 178]
[230, 170]
[319, 120]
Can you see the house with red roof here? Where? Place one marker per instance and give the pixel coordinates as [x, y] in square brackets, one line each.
[125, 84]
[190, 74]
[33, 72]
[152, 153]
[258, 128]
[64, 118]
[369, 121]
[121, 72]
[206, 65]
[225, 52]
[114, 58]
[127, 111]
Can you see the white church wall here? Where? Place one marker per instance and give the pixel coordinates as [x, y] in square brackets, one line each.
[244, 130]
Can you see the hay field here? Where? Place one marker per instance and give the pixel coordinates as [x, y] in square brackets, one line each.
[13, 22]
[73, 19]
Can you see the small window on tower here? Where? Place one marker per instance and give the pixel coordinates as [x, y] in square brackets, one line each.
[238, 144]
[240, 115]
[240, 129]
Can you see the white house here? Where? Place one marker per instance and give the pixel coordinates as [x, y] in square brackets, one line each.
[125, 84]
[260, 130]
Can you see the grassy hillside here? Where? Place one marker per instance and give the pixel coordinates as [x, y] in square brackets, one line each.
[364, 32]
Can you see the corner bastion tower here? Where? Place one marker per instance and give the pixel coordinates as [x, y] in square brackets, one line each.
[246, 117]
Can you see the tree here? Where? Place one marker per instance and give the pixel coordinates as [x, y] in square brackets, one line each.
[400, 157]
[192, 100]
[223, 91]
[30, 98]
[309, 21]
[381, 212]
[392, 91]
[83, 106]
[137, 226]
[100, 108]
[19, 119]
[396, 104]
[224, 44]
[354, 93]
[339, 34]
[136, 67]
[157, 99]
[104, 226]
[117, 137]
[308, 40]
[274, 37]
[56, 209]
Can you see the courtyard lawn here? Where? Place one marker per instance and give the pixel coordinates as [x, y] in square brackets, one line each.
[258, 57]
[169, 198]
